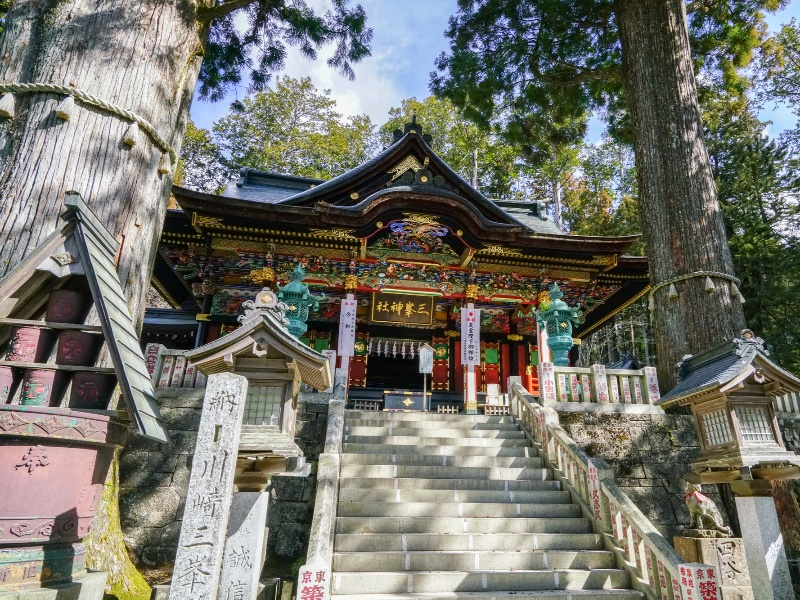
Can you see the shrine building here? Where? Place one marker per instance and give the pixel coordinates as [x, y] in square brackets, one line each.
[413, 242]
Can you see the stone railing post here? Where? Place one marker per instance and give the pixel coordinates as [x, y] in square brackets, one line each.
[600, 380]
[547, 384]
[651, 382]
[320, 543]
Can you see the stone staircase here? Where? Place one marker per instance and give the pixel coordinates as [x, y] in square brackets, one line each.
[459, 506]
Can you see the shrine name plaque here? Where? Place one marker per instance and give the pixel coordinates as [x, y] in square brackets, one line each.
[405, 401]
[408, 309]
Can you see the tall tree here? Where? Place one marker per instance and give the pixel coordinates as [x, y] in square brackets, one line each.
[558, 59]
[202, 166]
[758, 186]
[600, 194]
[124, 62]
[294, 128]
[472, 152]
[143, 57]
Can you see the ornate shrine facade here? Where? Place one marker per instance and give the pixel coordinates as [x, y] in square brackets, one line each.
[411, 240]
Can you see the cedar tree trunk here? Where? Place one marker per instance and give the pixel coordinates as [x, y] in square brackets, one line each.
[143, 56]
[678, 199]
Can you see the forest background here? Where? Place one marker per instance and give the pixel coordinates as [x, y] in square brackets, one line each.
[589, 187]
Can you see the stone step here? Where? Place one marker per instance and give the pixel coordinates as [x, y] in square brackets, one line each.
[438, 433]
[433, 424]
[402, 483]
[422, 472]
[476, 581]
[421, 495]
[451, 525]
[499, 595]
[388, 440]
[354, 415]
[508, 542]
[438, 450]
[436, 460]
[453, 509]
[440, 560]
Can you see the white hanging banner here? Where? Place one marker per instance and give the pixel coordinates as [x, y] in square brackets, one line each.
[347, 326]
[470, 336]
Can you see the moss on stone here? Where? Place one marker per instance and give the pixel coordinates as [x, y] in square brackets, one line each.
[106, 548]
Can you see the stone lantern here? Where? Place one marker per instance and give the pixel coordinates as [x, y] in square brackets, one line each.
[298, 301]
[730, 390]
[558, 321]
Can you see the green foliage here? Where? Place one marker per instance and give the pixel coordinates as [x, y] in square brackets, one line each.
[260, 49]
[201, 165]
[600, 196]
[455, 139]
[292, 128]
[779, 75]
[545, 65]
[758, 185]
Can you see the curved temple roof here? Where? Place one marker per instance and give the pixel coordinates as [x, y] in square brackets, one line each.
[407, 177]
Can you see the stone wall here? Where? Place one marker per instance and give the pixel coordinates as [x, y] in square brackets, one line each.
[291, 505]
[650, 455]
[787, 493]
[154, 479]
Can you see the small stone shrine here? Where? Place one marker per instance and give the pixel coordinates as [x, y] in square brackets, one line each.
[731, 391]
[220, 554]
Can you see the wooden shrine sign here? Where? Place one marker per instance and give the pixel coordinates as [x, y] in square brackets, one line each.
[390, 307]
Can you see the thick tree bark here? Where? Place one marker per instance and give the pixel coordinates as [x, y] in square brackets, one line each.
[142, 56]
[678, 200]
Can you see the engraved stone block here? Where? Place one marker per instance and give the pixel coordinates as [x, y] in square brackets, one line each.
[205, 520]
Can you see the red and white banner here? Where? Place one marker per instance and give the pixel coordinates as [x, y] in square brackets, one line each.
[470, 336]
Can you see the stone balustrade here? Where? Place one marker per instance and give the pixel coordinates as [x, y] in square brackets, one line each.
[788, 403]
[656, 568]
[171, 368]
[320, 544]
[597, 385]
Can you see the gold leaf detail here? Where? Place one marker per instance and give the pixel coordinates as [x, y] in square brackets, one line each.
[334, 234]
[409, 162]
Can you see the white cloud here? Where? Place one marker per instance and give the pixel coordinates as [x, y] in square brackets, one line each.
[407, 38]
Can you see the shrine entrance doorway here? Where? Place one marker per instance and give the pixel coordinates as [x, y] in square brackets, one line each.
[393, 373]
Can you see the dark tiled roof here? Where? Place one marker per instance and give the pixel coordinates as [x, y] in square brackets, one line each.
[262, 186]
[712, 368]
[530, 215]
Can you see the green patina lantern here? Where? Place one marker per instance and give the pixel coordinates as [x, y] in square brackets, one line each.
[558, 321]
[298, 301]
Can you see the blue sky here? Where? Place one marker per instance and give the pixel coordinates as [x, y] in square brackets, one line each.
[408, 36]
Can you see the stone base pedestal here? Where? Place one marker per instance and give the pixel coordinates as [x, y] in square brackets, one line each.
[727, 556]
[763, 543]
[91, 587]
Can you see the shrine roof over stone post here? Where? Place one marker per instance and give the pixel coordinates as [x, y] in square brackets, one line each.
[262, 347]
[726, 366]
[83, 246]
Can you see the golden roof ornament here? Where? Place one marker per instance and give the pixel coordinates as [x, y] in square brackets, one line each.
[259, 276]
[350, 283]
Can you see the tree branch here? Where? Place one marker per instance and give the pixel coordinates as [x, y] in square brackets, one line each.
[223, 10]
[581, 76]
